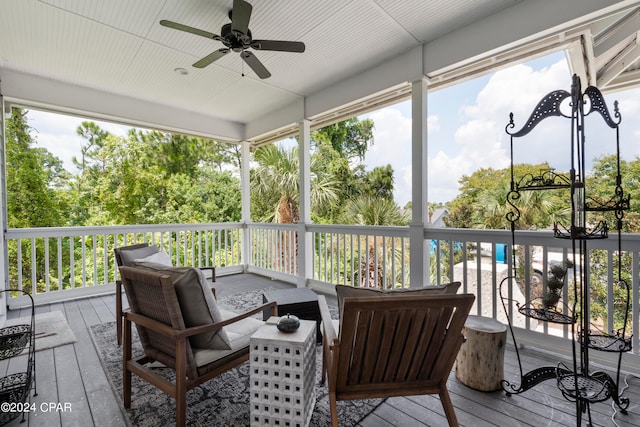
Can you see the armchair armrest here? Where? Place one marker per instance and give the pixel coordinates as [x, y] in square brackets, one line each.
[211, 268]
[168, 331]
[330, 342]
[328, 332]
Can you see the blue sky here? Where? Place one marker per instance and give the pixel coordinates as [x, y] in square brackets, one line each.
[466, 126]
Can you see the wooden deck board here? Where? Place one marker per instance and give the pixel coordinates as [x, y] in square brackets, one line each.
[72, 374]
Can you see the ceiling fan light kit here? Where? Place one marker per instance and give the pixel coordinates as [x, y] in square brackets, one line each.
[236, 36]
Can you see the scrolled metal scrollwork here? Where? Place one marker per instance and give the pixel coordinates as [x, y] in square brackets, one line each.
[513, 214]
[599, 105]
[548, 179]
[547, 107]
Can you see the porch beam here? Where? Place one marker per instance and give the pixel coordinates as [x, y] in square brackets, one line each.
[54, 95]
[517, 25]
[619, 64]
[418, 254]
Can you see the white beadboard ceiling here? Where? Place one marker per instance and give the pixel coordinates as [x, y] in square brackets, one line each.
[111, 59]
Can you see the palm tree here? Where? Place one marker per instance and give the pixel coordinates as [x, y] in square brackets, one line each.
[276, 179]
[366, 210]
[537, 210]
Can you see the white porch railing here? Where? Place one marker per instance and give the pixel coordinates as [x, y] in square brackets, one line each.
[62, 260]
[67, 261]
[367, 256]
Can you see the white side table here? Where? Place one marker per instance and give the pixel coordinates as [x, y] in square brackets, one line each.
[283, 375]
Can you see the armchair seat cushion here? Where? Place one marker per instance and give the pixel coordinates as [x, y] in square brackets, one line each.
[239, 334]
[197, 303]
[241, 328]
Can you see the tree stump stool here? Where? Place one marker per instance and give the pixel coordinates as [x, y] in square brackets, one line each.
[480, 361]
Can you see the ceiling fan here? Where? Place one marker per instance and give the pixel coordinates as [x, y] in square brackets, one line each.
[236, 36]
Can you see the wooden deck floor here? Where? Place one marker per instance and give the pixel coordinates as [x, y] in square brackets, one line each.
[72, 374]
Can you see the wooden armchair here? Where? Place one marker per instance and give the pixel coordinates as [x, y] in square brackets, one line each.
[163, 309]
[392, 346]
[125, 255]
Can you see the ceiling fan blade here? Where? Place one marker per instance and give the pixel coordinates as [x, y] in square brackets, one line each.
[240, 15]
[189, 29]
[279, 45]
[255, 64]
[211, 58]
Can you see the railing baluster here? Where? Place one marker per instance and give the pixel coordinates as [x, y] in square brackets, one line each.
[105, 261]
[60, 287]
[71, 263]
[47, 287]
[95, 260]
[478, 290]
[34, 277]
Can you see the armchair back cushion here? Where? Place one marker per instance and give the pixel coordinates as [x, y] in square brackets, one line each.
[128, 255]
[196, 301]
[160, 257]
[343, 291]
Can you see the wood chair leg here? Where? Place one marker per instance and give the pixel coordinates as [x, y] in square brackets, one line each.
[323, 378]
[126, 356]
[449, 411]
[333, 405]
[181, 382]
[119, 312]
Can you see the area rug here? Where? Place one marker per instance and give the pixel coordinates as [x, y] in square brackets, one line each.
[223, 401]
[52, 329]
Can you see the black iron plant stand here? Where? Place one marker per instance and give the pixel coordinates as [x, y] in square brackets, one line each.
[15, 387]
[577, 383]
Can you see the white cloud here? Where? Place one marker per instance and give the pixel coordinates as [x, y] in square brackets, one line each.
[57, 133]
[392, 145]
[433, 124]
[479, 140]
[517, 89]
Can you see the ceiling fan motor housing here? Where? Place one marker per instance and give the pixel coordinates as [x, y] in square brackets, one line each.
[235, 40]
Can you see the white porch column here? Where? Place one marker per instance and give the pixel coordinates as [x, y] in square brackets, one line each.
[305, 247]
[245, 191]
[418, 249]
[4, 268]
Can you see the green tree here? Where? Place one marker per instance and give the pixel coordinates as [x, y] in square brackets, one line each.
[602, 190]
[94, 136]
[538, 210]
[154, 177]
[350, 138]
[482, 202]
[31, 200]
[378, 182]
[34, 178]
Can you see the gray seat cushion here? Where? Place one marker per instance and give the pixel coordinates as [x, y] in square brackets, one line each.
[239, 333]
